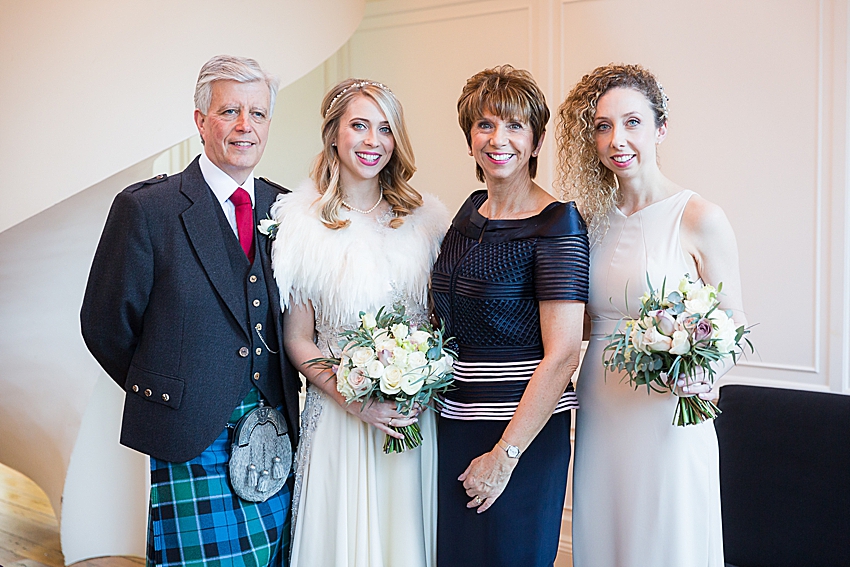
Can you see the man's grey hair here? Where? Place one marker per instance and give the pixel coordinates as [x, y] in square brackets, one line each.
[231, 68]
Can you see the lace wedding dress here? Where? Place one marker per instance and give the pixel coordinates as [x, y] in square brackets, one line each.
[353, 505]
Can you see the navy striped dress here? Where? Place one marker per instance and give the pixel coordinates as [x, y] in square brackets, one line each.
[487, 283]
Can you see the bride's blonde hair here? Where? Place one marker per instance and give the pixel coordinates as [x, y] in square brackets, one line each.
[393, 177]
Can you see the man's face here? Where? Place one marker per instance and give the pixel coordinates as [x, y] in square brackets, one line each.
[236, 126]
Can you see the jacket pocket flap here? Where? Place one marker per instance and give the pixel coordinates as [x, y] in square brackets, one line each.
[154, 387]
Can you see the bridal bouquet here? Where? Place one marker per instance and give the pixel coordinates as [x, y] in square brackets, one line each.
[676, 333]
[387, 358]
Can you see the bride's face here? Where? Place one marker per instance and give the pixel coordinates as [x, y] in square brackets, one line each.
[365, 142]
[626, 135]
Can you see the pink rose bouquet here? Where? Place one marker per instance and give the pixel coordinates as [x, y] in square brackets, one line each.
[387, 358]
[680, 333]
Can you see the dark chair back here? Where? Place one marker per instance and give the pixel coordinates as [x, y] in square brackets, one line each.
[784, 477]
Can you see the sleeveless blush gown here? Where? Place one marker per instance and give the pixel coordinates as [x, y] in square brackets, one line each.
[646, 492]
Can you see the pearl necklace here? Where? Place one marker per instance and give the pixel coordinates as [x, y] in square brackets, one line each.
[375, 206]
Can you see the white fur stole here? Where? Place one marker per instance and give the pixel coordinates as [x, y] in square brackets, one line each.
[356, 268]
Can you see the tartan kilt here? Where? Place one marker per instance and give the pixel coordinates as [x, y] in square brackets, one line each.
[196, 519]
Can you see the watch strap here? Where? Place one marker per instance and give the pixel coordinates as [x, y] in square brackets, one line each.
[512, 451]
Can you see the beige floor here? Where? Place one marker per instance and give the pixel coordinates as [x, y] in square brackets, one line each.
[29, 533]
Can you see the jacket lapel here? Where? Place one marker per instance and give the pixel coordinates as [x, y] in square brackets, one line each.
[264, 197]
[200, 221]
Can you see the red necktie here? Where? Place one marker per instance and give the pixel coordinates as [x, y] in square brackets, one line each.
[244, 221]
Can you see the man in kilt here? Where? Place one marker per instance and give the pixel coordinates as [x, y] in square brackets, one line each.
[181, 310]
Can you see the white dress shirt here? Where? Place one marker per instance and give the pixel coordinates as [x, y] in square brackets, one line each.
[223, 186]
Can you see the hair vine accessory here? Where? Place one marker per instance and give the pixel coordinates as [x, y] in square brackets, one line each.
[664, 97]
[375, 206]
[358, 85]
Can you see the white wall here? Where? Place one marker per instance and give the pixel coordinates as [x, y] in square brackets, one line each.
[97, 86]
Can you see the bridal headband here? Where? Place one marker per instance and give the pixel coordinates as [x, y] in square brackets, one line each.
[664, 97]
[358, 85]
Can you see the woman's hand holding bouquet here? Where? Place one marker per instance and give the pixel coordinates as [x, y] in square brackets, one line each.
[676, 337]
[387, 359]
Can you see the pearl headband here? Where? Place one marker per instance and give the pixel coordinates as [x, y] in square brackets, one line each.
[358, 85]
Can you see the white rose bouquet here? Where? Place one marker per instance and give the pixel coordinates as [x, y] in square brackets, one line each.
[388, 359]
[680, 333]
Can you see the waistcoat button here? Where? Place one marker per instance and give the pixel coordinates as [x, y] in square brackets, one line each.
[253, 279]
[243, 352]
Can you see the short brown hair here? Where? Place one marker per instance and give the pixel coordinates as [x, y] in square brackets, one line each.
[510, 94]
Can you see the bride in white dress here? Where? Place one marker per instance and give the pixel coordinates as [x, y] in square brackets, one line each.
[646, 492]
[355, 238]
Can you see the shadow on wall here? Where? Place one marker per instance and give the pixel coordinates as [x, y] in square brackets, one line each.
[53, 422]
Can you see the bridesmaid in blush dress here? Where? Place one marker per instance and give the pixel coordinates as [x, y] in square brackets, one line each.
[646, 492]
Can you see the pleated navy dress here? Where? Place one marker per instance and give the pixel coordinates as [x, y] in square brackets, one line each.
[487, 283]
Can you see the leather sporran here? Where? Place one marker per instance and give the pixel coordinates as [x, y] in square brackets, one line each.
[260, 455]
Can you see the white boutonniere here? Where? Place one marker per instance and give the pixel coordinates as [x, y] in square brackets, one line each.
[269, 228]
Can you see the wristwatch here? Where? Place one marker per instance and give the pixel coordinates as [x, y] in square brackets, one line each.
[512, 450]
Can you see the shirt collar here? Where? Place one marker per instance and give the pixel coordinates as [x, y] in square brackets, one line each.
[223, 185]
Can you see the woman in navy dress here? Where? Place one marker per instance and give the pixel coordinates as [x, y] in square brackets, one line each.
[510, 284]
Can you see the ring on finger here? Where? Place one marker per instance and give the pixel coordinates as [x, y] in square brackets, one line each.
[478, 500]
[390, 422]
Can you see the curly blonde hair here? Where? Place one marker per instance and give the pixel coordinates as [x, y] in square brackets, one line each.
[581, 177]
[394, 177]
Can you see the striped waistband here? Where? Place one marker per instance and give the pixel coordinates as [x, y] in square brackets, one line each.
[493, 390]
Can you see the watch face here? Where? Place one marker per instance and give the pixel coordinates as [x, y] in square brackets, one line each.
[513, 452]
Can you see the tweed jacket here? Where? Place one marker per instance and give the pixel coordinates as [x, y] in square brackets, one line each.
[166, 318]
